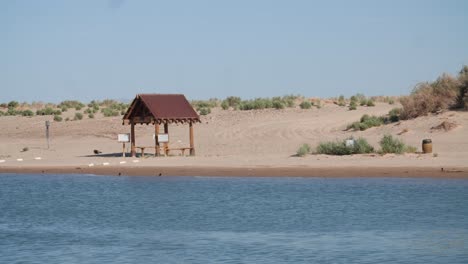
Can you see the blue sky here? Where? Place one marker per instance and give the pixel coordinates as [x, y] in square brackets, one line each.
[96, 49]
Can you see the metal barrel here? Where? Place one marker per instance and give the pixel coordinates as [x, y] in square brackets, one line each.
[427, 146]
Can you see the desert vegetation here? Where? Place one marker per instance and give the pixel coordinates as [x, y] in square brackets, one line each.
[388, 144]
[78, 116]
[359, 146]
[204, 107]
[350, 146]
[354, 101]
[366, 122]
[447, 92]
[303, 150]
[108, 108]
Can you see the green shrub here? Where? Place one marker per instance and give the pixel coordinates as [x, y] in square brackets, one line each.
[225, 105]
[363, 102]
[107, 112]
[259, 103]
[2, 113]
[64, 109]
[305, 105]
[12, 112]
[370, 102]
[78, 116]
[360, 146]
[341, 101]
[4, 105]
[13, 104]
[233, 101]
[58, 118]
[357, 126]
[198, 104]
[93, 103]
[394, 114]
[246, 105]
[372, 121]
[278, 105]
[71, 104]
[91, 115]
[360, 97]
[388, 144]
[366, 122]
[462, 100]
[123, 112]
[204, 111]
[48, 111]
[303, 150]
[67, 119]
[353, 105]
[288, 100]
[27, 113]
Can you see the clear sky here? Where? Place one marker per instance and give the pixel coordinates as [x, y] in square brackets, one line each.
[96, 49]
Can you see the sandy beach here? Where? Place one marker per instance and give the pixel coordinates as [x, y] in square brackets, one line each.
[237, 143]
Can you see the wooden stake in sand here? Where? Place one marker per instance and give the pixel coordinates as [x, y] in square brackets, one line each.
[47, 124]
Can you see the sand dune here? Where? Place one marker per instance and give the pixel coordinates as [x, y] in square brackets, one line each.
[258, 139]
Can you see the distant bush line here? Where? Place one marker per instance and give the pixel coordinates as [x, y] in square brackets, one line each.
[108, 108]
[204, 107]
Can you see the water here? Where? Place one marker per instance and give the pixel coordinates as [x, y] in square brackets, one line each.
[102, 219]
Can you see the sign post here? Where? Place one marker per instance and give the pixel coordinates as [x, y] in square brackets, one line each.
[123, 138]
[47, 124]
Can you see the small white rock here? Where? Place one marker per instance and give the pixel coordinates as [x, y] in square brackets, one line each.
[105, 163]
[19, 159]
[37, 158]
[91, 165]
[1, 161]
[122, 162]
[135, 161]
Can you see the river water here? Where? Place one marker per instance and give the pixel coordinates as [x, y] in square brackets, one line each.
[109, 219]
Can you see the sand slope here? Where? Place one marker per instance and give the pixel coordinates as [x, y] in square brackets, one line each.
[258, 138]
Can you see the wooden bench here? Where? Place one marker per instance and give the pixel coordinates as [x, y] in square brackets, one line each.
[166, 151]
[143, 149]
[182, 150]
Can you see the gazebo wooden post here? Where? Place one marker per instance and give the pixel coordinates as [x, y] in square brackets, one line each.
[192, 146]
[132, 138]
[166, 144]
[156, 140]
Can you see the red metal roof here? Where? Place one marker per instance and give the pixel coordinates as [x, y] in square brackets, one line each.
[163, 107]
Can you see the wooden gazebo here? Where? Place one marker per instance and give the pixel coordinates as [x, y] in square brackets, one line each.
[160, 109]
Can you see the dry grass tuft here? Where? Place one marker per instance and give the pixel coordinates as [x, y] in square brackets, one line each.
[445, 93]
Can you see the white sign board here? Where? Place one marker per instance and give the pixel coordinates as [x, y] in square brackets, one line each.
[122, 138]
[163, 138]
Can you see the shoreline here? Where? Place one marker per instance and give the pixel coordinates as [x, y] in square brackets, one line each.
[255, 171]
